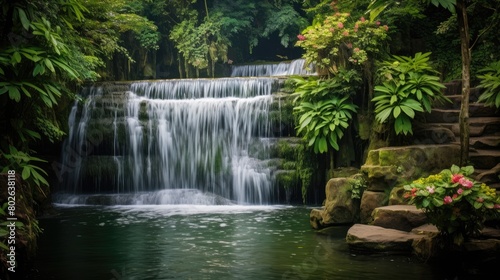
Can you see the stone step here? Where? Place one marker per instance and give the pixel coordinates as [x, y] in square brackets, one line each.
[484, 159]
[400, 217]
[488, 176]
[439, 115]
[368, 238]
[485, 142]
[480, 126]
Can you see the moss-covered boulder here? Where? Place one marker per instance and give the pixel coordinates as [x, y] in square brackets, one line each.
[340, 205]
[388, 167]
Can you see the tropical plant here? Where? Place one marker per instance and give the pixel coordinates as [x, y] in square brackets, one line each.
[490, 82]
[325, 109]
[409, 85]
[339, 41]
[456, 204]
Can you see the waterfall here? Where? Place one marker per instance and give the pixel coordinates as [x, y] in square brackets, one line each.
[286, 68]
[210, 135]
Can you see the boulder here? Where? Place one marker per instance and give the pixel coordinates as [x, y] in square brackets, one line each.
[396, 197]
[400, 217]
[388, 167]
[369, 201]
[368, 238]
[340, 207]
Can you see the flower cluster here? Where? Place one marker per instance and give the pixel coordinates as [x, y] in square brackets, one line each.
[338, 38]
[455, 203]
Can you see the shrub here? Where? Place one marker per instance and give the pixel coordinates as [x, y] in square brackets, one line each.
[456, 204]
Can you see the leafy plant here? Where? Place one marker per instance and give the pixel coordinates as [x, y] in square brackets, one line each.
[19, 160]
[456, 204]
[339, 41]
[490, 82]
[409, 85]
[325, 109]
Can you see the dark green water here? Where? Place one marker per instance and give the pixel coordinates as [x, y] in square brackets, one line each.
[205, 242]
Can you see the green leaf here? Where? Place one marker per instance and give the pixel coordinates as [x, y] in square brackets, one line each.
[14, 93]
[26, 172]
[49, 65]
[396, 111]
[24, 19]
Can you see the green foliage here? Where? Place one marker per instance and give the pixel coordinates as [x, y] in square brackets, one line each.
[358, 185]
[456, 204]
[409, 85]
[325, 110]
[339, 41]
[201, 43]
[18, 160]
[490, 82]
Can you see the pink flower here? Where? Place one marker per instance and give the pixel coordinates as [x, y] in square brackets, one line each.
[356, 50]
[456, 177]
[430, 189]
[332, 29]
[340, 25]
[466, 183]
[362, 19]
[454, 196]
[356, 26]
[497, 206]
[447, 199]
[301, 37]
[349, 45]
[460, 191]
[378, 22]
[480, 199]
[386, 27]
[345, 33]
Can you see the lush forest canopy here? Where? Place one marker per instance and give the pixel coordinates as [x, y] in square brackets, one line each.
[50, 47]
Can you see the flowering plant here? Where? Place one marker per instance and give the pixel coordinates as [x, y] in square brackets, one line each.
[339, 40]
[456, 204]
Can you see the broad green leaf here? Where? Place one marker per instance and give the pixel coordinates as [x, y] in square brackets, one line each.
[26, 172]
[396, 111]
[14, 93]
[23, 18]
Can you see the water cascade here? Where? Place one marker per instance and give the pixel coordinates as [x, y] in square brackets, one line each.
[134, 141]
[286, 68]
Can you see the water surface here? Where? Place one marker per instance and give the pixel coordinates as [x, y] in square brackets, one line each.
[205, 242]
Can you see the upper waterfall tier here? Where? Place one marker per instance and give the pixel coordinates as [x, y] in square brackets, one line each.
[205, 88]
[286, 68]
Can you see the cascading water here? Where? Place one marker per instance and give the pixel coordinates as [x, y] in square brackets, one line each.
[208, 135]
[287, 68]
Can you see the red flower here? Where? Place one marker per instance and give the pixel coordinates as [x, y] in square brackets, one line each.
[447, 199]
[340, 25]
[386, 27]
[345, 33]
[497, 206]
[378, 22]
[454, 196]
[349, 45]
[301, 37]
[466, 183]
[332, 29]
[362, 19]
[356, 50]
[456, 177]
[480, 199]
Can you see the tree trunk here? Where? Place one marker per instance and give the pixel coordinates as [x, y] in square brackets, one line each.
[463, 26]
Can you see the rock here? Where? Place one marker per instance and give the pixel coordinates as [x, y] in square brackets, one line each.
[316, 219]
[388, 167]
[400, 217]
[340, 207]
[427, 229]
[369, 238]
[369, 201]
[396, 197]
